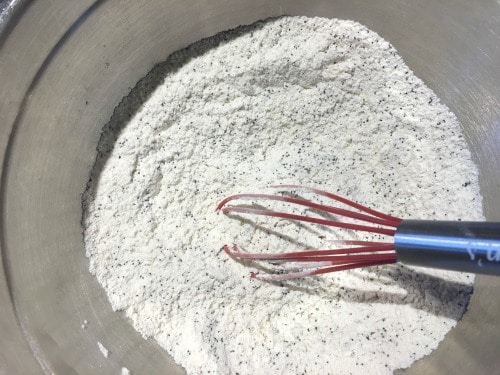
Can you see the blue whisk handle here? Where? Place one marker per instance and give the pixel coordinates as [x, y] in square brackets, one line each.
[465, 246]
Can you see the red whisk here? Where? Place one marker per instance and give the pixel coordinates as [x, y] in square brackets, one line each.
[460, 246]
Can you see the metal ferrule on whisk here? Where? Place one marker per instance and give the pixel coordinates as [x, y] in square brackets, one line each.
[452, 245]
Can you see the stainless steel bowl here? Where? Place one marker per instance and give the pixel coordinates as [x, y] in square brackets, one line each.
[64, 66]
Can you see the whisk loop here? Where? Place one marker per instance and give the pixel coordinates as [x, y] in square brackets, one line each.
[315, 262]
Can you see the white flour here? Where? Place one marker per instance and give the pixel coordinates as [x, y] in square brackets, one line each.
[324, 103]
[103, 349]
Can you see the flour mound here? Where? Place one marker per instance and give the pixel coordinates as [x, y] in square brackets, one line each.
[320, 102]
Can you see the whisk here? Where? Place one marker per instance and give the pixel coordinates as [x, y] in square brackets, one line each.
[465, 246]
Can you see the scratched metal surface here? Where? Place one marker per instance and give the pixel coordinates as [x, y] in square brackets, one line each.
[64, 66]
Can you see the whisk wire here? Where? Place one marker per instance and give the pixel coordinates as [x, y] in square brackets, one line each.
[358, 254]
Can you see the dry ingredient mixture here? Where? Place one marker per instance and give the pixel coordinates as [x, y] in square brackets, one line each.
[320, 102]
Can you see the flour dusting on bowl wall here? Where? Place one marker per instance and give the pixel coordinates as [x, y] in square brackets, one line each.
[314, 101]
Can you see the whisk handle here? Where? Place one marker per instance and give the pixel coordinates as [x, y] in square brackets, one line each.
[450, 245]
